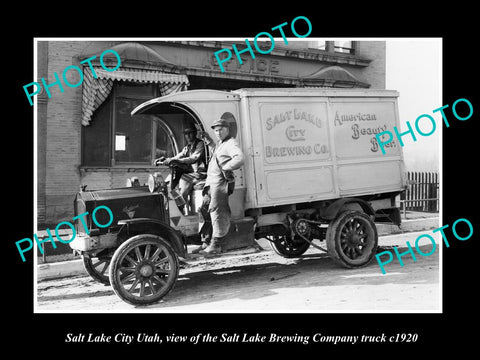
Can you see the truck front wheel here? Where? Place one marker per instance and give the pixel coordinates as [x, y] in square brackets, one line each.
[352, 239]
[97, 268]
[143, 269]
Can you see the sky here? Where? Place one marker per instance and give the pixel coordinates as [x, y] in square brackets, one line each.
[413, 68]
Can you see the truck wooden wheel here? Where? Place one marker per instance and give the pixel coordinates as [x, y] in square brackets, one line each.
[143, 269]
[284, 246]
[97, 268]
[352, 239]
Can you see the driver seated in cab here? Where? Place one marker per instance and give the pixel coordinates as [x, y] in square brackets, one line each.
[188, 165]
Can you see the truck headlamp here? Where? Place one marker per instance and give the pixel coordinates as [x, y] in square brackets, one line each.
[155, 182]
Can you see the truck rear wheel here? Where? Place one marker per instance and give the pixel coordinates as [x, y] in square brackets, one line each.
[284, 246]
[352, 239]
[143, 269]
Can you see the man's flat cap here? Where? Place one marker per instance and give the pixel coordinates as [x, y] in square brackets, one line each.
[220, 122]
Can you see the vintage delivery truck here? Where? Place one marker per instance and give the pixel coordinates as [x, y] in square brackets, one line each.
[313, 176]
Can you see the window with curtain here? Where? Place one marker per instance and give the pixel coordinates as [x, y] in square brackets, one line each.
[317, 44]
[346, 47]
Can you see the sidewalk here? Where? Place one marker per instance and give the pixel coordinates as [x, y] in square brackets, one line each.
[67, 265]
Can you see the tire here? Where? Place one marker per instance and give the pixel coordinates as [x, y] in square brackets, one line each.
[284, 246]
[97, 268]
[352, 239]
[143, 269]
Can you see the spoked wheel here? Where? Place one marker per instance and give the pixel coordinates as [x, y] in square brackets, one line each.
[97, 268]
[352, 239]
[287, 247]
[143, 269]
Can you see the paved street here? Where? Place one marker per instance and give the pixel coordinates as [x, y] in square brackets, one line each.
[266, 282]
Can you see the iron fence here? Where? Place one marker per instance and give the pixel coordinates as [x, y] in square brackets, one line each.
[422, 192]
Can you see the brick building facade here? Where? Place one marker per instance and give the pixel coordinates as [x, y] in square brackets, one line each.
[72, 151]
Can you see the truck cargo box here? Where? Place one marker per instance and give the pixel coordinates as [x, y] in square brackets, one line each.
[302, 145]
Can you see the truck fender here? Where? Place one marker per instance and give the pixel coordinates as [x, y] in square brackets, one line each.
[137, 226]
[334, 208]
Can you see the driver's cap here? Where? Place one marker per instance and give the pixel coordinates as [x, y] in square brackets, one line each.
[189, 130]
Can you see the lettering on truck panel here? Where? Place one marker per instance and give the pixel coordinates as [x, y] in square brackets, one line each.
[357, 125]
[293, 133]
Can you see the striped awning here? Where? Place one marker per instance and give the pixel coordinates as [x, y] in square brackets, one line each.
[141, 75]
[96, 90]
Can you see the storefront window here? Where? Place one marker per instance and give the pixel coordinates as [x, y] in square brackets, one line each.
[133, 135]
[96, 137]
[136, 140]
